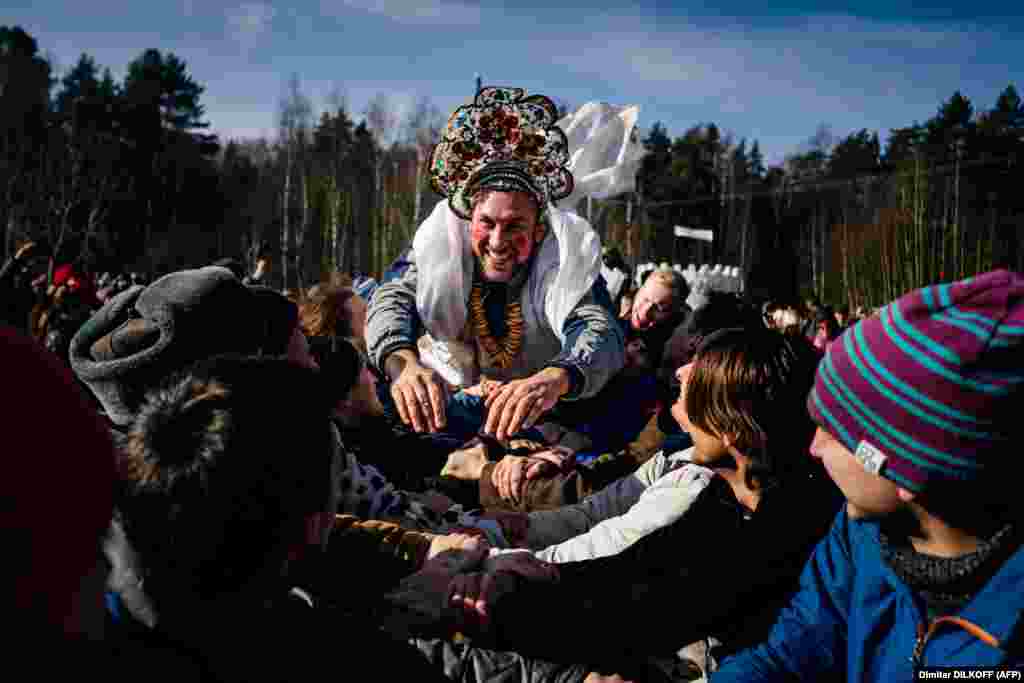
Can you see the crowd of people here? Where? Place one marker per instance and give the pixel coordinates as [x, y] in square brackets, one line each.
[485, 467]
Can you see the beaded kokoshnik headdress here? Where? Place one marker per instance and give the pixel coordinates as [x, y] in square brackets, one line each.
[507, 141]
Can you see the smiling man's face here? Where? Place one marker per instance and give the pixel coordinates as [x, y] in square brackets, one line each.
[504, 233]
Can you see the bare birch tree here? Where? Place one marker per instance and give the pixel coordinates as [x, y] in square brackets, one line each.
[294, 121]
[423, 131]
[383, 122]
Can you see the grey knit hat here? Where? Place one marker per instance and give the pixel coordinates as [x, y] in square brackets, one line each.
[146, 333]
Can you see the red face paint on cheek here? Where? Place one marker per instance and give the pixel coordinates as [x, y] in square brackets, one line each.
[478, 237]
[521, 243]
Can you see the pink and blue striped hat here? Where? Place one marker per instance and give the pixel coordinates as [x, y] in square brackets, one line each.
[929, 390]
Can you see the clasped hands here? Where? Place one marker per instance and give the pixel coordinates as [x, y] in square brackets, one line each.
[512, 473]
[472, 596]
[461, 581]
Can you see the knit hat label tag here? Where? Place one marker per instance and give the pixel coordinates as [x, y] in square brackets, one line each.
[870, 457]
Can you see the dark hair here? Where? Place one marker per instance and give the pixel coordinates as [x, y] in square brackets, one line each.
[751, 384]
[220, 476]
[826, 315]
[340, 363]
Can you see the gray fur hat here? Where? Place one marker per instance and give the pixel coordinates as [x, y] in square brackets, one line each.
[146, 333]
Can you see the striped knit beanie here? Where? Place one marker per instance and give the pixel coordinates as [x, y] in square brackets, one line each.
[928, 391]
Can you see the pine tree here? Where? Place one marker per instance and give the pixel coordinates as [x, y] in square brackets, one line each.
[755, 162]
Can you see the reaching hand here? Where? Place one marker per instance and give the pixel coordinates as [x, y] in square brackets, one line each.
[423, 598]
[484, 388]
[466, 463]
[455, 552]
[517, 405]
[513, 472]
[420, 396]
[550, 462]
[473, 596]
[509, 477]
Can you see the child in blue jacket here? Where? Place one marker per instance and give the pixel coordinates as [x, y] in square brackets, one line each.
[919, 426]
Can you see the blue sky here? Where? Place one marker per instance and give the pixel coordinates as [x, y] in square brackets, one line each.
[768, 73]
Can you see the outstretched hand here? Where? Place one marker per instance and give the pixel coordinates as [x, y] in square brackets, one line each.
[513, 473]
[473, 596]
[455, 552]
[420, 396]
[466, 464]
[519, 404]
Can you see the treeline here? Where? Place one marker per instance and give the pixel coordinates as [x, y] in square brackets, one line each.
[122, 173]
[843, 219]
[331, 194]
[100, 169]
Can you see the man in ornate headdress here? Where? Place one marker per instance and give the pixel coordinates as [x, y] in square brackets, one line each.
[502, 283]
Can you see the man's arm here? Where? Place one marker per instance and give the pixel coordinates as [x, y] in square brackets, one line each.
[667, 500]
[594, 348]
[551, 527]
[392, 327]
[392, 322]
[697, 581]
[391, 551]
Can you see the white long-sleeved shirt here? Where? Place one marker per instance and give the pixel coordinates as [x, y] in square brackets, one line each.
[605, 523]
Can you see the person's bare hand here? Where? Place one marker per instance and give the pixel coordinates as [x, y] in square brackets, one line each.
[483, 388]
[420, 396]
[509, 477]
[472, 598]
[514, 526]
[466, 464]
[25, 251]
[423, 598]
[549, 462]
[513, 472]
[455, 552]
[519, 404]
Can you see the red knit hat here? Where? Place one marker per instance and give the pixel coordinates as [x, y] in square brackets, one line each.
[57, 484]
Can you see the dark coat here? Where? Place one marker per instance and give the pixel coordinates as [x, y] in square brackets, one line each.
[853, 616]
[718, 571]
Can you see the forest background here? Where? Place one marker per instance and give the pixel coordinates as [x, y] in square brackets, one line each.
[123, 175]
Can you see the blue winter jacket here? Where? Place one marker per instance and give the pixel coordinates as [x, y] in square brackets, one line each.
[853, 615]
